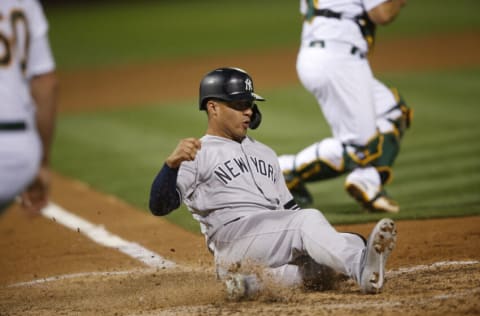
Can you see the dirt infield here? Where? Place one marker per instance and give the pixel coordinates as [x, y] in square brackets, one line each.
[435, 268]
[47, 269]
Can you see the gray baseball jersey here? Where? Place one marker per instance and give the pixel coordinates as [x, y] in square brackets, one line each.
[228, 180]
[236, 191]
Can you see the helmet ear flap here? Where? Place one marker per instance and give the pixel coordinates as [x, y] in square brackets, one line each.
[256, 117]
[203, 104]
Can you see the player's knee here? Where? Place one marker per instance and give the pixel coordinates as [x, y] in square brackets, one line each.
[286, 162]
[330, 151]
[398, 118]
[322, 160]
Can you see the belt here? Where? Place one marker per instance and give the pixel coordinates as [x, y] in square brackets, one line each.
[13, 126]
[354, 50]
[327, 13]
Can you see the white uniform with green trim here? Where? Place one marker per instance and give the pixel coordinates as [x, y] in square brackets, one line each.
[332, 65]
[350, 97]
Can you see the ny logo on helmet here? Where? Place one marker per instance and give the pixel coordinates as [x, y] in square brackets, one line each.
[248, 85]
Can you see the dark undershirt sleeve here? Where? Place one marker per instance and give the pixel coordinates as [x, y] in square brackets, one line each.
[164, 197]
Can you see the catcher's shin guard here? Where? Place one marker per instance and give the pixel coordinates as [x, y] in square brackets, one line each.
[392, 125]
[398, 118]
[320, 161]
[384, 163]
[310, 172]
[369, 192]
[363, 155]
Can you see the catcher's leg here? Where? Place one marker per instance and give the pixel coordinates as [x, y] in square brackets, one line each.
[364, 185]
[393, 125]
[366, 182]
[322, 160]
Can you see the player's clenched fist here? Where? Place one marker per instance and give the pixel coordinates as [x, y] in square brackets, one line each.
[186, 150]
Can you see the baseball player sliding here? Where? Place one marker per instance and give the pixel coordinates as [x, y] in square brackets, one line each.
[28, 97]
[366, 118]
[233, 186]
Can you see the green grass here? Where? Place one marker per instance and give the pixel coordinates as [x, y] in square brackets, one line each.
[424, 17]
[103, 34]
[99, 35]
[436, 175]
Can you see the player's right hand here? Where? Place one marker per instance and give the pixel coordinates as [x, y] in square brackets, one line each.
[186, 150]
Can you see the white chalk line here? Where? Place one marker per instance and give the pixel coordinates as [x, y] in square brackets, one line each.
[425, 267]
[72, 276]
[103, 237]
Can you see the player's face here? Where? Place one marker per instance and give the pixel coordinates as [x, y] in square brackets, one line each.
[230, 120]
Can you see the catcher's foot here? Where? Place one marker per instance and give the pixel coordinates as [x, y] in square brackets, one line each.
[374, 257]
[380, 202]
